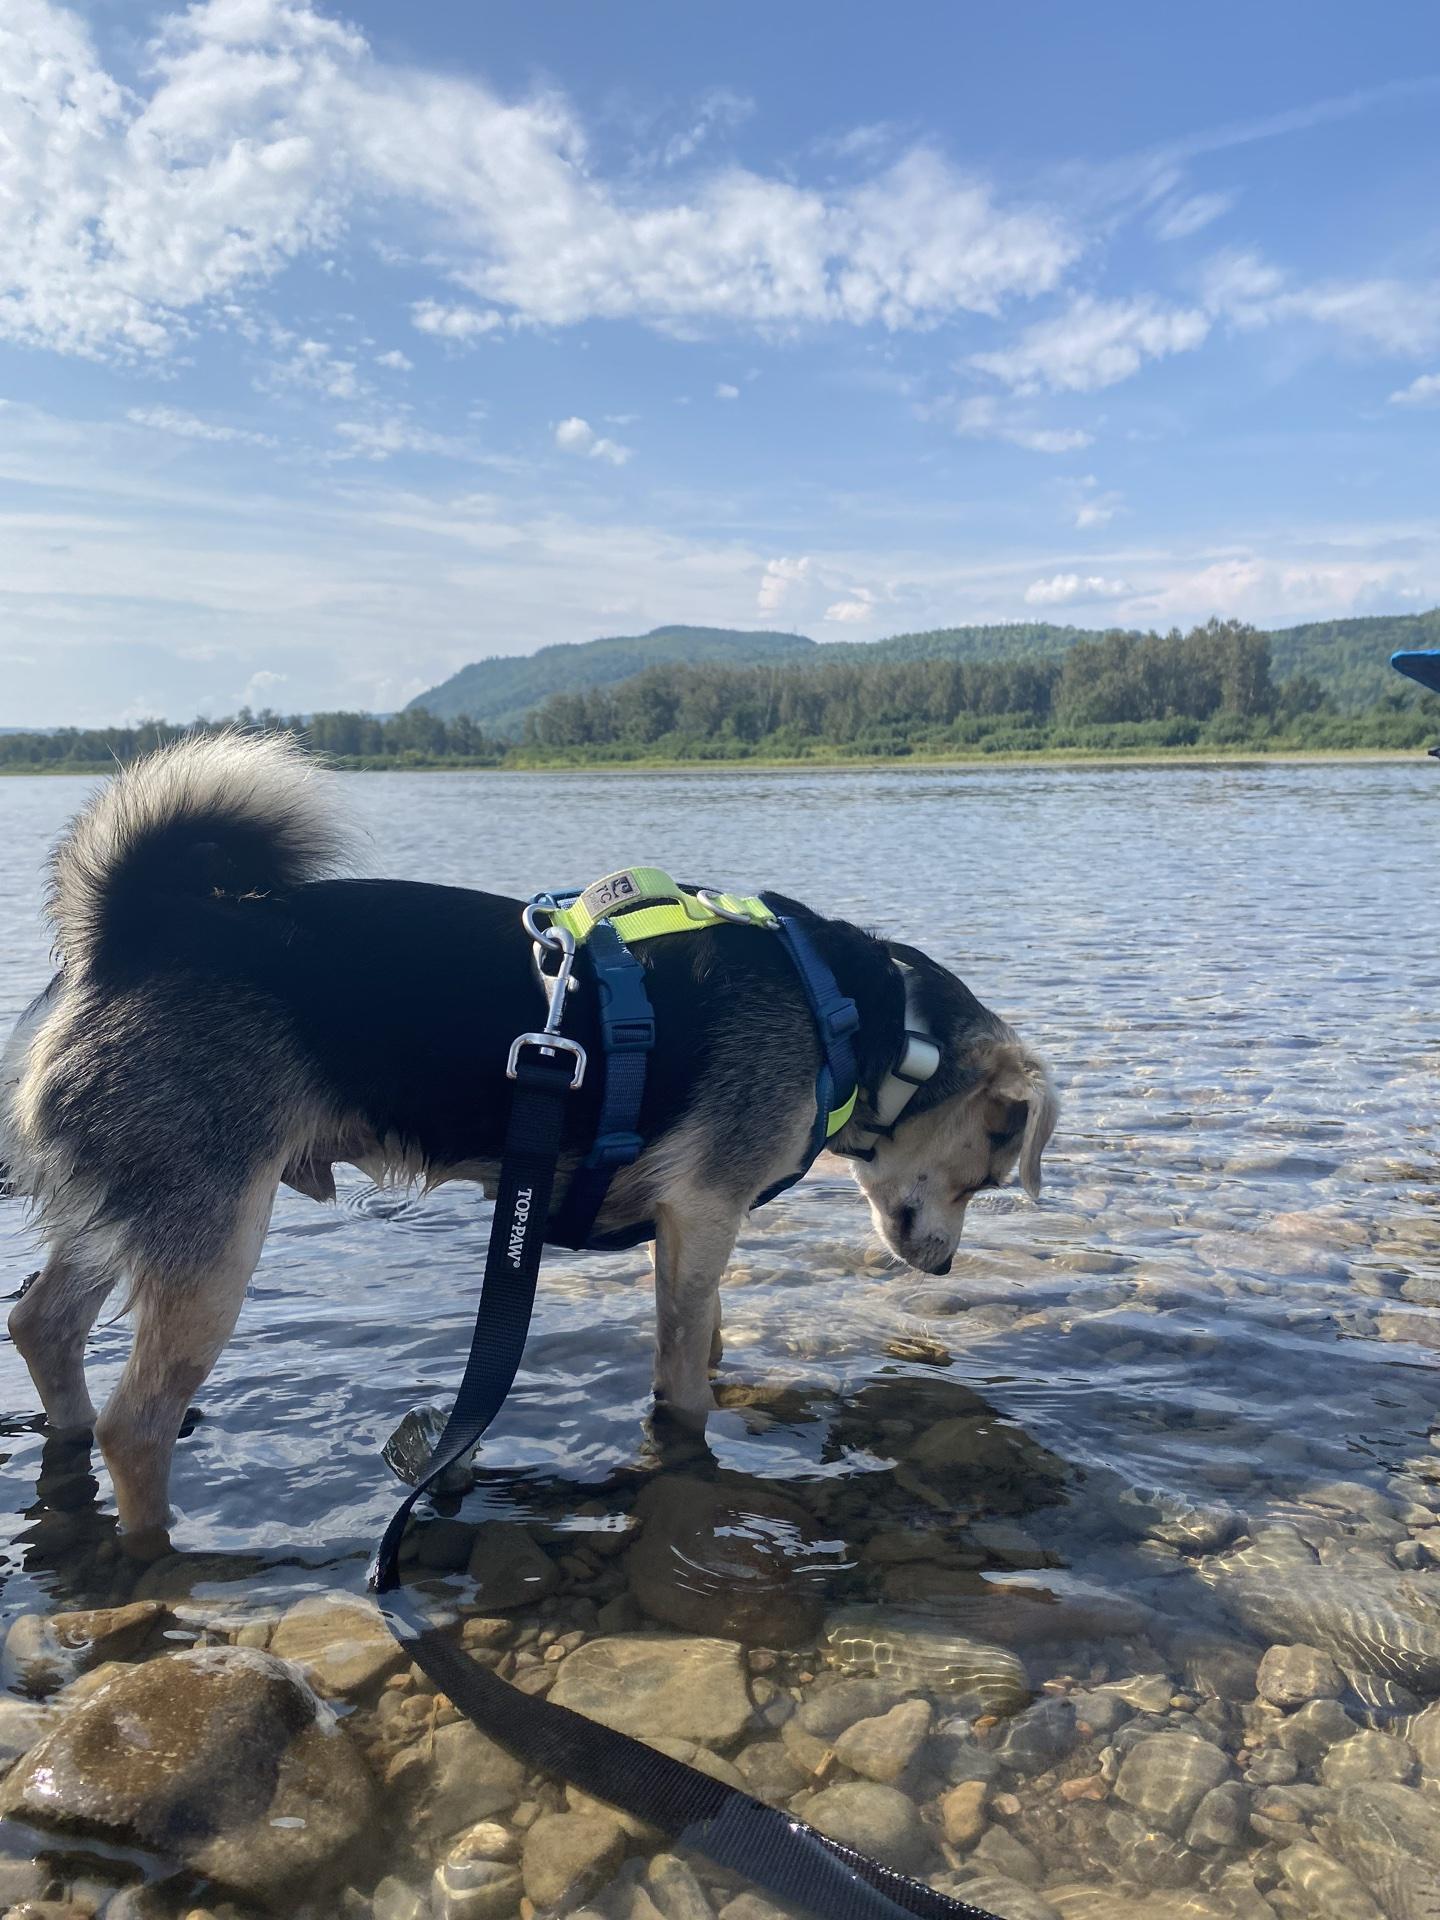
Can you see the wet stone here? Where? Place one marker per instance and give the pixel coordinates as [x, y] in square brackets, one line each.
[675, 1890]
[508, 1568]
[1000, 1852]
[340, 1642]
[568, 1856]
[877, 1819]
[42, 1651]
[1310, 1733]
[915, 1651]
[827, 1711]
[1329, 1890]
[1037, 1738]
[469, 1778]
[22, 1722]
[221, 1759]
[1366, 1757]
[1145, 1855]
[1220, 1820]
[883, 1748]
[1000, 1895]
[1289, 1676]
[962, 1813]
[1165, 1777]
[656, 1685]
[728, 1559]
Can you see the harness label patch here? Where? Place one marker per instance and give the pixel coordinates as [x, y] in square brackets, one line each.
[609, 892]
[519, 1220]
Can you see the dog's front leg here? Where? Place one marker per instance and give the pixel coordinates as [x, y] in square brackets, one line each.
[692, 1245]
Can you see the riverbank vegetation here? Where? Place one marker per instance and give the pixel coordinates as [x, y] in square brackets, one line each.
[1213, 689]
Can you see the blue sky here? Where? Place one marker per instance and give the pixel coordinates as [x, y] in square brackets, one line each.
[340, 347]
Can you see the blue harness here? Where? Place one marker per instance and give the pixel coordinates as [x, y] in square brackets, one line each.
[627, 1038]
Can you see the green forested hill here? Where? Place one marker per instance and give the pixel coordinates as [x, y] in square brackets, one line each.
[499, 692]
[1349, 658]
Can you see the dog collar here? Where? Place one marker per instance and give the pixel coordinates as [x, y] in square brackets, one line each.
[917, 1062]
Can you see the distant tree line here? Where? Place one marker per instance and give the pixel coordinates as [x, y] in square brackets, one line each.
[1212, 687]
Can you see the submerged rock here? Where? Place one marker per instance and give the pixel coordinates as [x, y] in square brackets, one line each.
[1166, 1776]
[716, 1557]
[341, 1643]
[1289, 1676]
[508, 1568]
[659, 1685]
[879, 1820]
[1386, 1623]
[882, 1748]
[42, 1651]
[222, 1760]
[915, 1651]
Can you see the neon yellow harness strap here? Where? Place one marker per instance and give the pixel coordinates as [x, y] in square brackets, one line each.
[643, 902]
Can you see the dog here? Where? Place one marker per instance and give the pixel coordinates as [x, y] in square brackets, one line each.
[230, 1014]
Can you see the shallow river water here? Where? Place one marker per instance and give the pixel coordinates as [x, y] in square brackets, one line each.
[1187, 1405]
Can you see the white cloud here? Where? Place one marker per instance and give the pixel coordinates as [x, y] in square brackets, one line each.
[260, 687]
[1178, 218]
[1093, 344]
[397, 362]
[263, 131]
[1064, 588]
[726, 392]
[781, 579]
[578, 436]
[860, 606]
[189, 426]
[379, 439]
[1424, 392]
[1091, 507]
[454, 323]
[314, 367]
[981, 417]
[1390, 316]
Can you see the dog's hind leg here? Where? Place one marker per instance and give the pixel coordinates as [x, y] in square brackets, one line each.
[182, 1321]
[49, 1325]
[692, 1246]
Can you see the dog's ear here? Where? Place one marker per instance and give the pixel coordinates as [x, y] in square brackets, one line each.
[1017, 1080]
[792, 909]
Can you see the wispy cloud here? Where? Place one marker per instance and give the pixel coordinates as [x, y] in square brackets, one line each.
[189, 426]
[1094, 343]
[1065, 589]
[1424, 392]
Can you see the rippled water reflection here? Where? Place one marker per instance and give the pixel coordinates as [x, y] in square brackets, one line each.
[1217, 1334]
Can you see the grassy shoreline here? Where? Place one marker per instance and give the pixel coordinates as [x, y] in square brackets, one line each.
[1046, 757]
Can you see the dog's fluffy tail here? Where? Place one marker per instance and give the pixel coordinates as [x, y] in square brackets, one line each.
[215, 817]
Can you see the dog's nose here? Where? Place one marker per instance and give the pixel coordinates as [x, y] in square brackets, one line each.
[944, 1266]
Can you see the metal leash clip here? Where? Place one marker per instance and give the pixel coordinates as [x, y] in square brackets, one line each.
[550, 940]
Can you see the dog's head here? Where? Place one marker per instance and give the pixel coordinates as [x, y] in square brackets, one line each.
[989, 1109]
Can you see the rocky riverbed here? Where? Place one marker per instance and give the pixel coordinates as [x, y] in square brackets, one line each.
[1097, 1579]
[1257, 1737]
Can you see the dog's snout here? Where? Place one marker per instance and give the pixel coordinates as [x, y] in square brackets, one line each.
[945, 1265]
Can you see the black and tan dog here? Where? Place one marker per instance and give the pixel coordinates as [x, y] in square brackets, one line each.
[226, 1017]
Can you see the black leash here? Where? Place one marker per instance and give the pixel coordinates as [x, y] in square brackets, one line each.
[773, 1848]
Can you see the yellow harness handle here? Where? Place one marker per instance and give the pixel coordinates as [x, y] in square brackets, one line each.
[642, 902]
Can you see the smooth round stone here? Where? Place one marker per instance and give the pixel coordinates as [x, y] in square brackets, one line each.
[221, 1759]
[737, 1561]
[917, 1653]
[879, 1820]
[508, 1568]
[659, 1685]
[1165, 1776]
[568, 1855]
[1289, 1676]
[1037, 1738]
[1369, 1756]
[882, 1748]
[1326, 1887]
[340, 1642]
